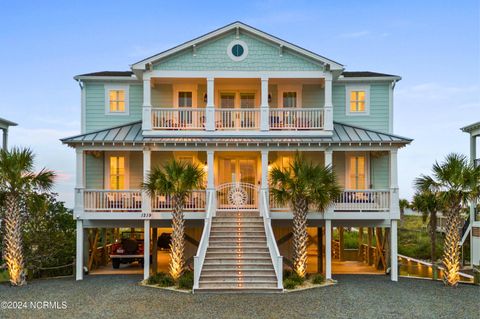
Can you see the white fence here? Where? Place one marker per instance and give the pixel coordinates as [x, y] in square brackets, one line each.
[237, 119]
[195, 202]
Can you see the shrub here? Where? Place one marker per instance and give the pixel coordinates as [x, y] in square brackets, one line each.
[289, 284]
[317, 279]
[186, 280]
[161, 279]
[291, 275]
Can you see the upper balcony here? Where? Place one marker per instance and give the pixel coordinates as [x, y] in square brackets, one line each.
[237, 106]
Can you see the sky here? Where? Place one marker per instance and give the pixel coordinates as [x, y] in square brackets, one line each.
[433, 45]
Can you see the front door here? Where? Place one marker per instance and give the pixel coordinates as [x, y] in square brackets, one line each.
[234, 170]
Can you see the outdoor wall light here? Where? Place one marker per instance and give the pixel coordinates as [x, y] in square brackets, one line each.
[205, 96]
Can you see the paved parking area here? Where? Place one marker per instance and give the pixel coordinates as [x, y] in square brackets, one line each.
[355, 296]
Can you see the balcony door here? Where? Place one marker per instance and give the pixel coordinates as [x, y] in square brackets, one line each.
[357, 171]
[237, 102]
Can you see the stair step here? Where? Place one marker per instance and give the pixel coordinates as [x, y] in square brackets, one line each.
[246, 235]
[236, 266]
[221, 255]
[256, 220]
[225, 272]
[237, 228]
[235, 285]
[238, 249]
[238, 290]
[237, 214]
[242, 278]
[237, 222]
[217, 242]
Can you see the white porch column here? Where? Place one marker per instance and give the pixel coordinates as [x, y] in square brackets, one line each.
[328, 106]
[5, 139]
[79, 251]
[211, 168]
[147, 105]
[393, 251]
[146, 202]
[79, 182]
[264, 125]
[328, 157]
[328, 249]
[146, 249]
[210, 109]
[394, 197]
[473, 148]
[264, 181]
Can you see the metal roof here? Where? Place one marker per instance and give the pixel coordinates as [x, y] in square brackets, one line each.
[132, 133]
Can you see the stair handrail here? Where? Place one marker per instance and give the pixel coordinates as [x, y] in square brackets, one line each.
[277, 259]
[199, 258]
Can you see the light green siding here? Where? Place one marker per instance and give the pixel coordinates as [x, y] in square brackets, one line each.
[378, 119]
[94, 172]
[379, 171]
[212, 55]
[95, 117]
[162, 95]
[312, 96]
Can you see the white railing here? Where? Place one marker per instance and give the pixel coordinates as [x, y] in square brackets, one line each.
[296, 119]
[351, 201]
[237, 119]
[178, 118]
[195, 202]
[277, 259]
[237, 196]
[363, 200]
[96, 200]
[199, 258]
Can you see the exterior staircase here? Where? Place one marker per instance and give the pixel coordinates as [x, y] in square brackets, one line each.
[238, 257]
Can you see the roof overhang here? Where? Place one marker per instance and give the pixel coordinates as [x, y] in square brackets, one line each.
[472, 129]
[369, 79]
[5, 124]
[141, 66]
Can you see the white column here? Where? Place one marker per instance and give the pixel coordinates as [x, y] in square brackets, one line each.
[147, 105]
[210, 171]
[328, 157]
[394, 198]
[146, 249]
[264, 181]
[264, 125]
[5, 139]
[146, 202]
[473, 148]
[79, 182]
[79, 251]
[328, 249]
[393, 251]
[328, 106]
[210, 109]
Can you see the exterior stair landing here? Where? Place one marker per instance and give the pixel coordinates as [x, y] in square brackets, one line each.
[237, 257]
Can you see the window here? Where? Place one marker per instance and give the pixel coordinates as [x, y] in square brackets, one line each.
[289, 99]
[286, 162]
[117, 172]
[186, 159]
[185, 99]
[237, 50]
[358, 100]
[116, 99]
[247, 100]
[357, 172]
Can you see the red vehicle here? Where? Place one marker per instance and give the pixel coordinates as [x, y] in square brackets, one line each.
[128, 250]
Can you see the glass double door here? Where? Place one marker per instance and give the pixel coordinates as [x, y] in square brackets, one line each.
[235, 170]
[237, 106]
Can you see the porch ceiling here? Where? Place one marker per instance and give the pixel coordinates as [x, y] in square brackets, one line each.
[131, 134]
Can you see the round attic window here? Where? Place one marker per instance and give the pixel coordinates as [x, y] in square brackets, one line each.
[237, 50]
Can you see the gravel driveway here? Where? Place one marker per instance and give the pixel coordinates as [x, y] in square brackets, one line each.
[353, 297]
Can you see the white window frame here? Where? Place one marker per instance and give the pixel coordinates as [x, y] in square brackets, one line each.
[107, 168]
[349, 155]
[289, 88]
[237, 58]
[357, 87]
[185, 88]
[117, 87]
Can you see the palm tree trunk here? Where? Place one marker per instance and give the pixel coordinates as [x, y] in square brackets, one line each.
[300, 237]
[451, 251]
[13, 253]
[177, 245]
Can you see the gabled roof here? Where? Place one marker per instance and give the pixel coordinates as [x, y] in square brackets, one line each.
[365, 74]
[132, 133]
[141, 65]
[108, 73]
[4, 124]
[471, 127]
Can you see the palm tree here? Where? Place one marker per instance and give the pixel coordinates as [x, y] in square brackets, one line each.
[456, 183]
[176, 179]
[404, 204]
[18, 182]
[300, 185]
[427, 203]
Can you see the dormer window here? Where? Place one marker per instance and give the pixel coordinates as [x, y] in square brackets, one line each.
[116, 99]
[358, 100]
